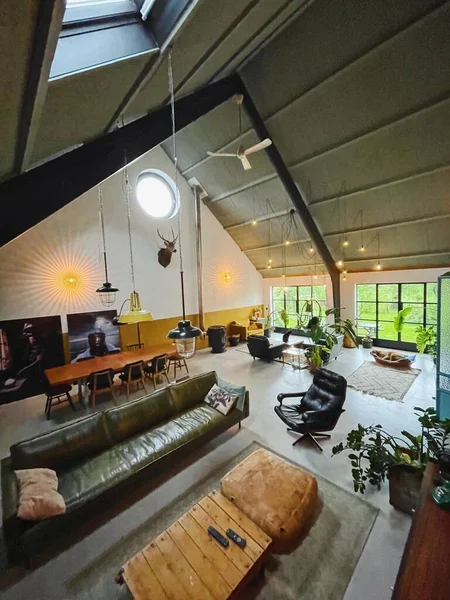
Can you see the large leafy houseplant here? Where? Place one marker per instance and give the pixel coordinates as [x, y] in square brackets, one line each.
[375, 454]
[342, 326]
[322, 340]
[400, 319]
[426, 340]
[285, 318]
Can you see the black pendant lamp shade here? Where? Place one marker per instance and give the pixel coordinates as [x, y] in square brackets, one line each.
[184, 336]
[107, 292]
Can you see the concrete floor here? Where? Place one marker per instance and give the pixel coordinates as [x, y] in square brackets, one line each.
[376, 571]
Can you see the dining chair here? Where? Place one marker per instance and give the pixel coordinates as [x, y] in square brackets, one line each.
[157, 368]
[133, 373]
[59, 392]
[135, 346]
[100, 382]
[178, 362]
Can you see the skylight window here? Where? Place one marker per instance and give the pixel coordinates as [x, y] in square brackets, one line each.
[86, 10]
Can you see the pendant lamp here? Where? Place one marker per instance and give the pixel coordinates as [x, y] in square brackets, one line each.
[136, 314]
[185, 334]
[107, 292]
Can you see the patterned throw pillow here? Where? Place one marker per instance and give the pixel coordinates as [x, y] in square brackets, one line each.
[220, 399]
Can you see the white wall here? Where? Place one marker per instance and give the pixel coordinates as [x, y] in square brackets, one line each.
[348, 287]
[33, 267]
[222, 255]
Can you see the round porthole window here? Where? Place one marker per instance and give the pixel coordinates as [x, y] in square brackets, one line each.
[157, 194]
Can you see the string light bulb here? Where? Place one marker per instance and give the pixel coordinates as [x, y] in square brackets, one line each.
[344, 272]
[270, 261]
[269, 266]
[340, 263]
[345, 243]
[311, 249]
[344, 278]
[378, 267]
[315, 276]
[254, 222]
[287, 242]
[362, 248]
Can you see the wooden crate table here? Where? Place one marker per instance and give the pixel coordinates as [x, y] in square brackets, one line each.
[185, 563]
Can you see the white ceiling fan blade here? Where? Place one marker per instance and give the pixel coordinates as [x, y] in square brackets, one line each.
[219, 154]
[245, 162]
[257, 147]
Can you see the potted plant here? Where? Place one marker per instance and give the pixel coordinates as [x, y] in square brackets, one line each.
[367, 341]
[317, 354]
[376, 455]
[269, 324]
[400, 319]
[426, 340]
[285, 318]
[346, 327]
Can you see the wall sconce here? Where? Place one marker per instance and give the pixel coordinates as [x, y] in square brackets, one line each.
[227, 277]
[70, 280]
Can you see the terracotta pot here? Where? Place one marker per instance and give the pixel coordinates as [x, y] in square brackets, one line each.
[348, 342]
[404, 487]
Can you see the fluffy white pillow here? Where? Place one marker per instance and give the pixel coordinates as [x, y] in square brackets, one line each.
[39, 498]
[220, 399]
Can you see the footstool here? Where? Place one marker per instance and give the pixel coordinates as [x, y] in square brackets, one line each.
[280, 498]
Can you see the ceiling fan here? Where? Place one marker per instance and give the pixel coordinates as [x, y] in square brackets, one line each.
[242, 152]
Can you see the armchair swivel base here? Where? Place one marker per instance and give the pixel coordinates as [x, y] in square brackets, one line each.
[310, 435]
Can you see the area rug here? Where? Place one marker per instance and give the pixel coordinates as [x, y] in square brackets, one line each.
[384, 382]
[320, 568]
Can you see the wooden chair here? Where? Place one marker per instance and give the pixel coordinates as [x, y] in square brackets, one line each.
[100, 382]
[157, 368]
[135, 346]
[178, 362]
[133, 373]
[56, 392]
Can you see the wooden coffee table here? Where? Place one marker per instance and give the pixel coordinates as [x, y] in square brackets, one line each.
[185, 563]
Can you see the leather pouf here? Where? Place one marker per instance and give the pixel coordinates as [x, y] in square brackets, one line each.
[280, 498]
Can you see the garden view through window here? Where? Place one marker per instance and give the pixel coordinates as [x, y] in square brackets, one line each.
[377, 304]
[292, 299]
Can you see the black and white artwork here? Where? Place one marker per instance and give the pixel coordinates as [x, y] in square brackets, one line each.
[27, 348]
[92, 334]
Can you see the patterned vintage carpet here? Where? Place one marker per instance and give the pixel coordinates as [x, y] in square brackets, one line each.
[384, 382]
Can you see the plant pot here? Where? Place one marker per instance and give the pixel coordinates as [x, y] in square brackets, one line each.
[234, 340]
[267, 332]
[312, 368]
[348, 342]
[404, 487]
[367, 342]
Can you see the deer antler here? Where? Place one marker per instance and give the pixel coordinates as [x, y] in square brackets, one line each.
[173, 235]
[163, 239]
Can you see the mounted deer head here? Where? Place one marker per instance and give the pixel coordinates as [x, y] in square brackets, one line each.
[165, 254]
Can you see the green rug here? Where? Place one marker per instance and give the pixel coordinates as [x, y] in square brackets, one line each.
[320, 568]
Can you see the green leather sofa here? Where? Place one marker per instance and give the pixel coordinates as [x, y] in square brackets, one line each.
[104, 456]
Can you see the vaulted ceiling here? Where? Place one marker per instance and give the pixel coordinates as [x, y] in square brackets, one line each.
[355, 95]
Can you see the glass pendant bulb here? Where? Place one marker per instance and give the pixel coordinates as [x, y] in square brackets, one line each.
[107, 294]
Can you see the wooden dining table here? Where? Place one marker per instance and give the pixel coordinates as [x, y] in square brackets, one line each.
[80, 371]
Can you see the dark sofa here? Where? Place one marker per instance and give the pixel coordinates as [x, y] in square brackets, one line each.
[101, 457]
[259, 346]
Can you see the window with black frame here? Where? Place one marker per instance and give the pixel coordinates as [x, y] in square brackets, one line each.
[377, 304]
[292, 299]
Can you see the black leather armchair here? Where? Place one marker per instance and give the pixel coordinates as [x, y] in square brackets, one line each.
[319, 409]
[259, 347]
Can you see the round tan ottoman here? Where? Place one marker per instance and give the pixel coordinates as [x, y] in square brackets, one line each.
[278, 497]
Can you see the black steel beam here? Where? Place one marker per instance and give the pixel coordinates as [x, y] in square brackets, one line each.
[31, 197]
[295, 195]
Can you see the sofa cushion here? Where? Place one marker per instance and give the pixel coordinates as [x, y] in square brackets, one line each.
[100, 473]
[62, 447]
[39, 497]
[220, 399]
[191, 392]
[133, 417]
